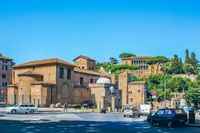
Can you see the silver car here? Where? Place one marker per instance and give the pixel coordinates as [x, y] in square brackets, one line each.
[22, 108]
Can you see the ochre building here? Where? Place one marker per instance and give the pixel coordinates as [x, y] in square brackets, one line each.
[145, 69]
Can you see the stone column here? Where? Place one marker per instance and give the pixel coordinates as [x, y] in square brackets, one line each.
[113, 103]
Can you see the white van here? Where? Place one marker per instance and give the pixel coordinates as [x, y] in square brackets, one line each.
[145, 109]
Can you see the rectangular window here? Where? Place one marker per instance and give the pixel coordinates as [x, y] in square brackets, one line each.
[3, 76]
[69, 73]
[91, 81]
[81, 80]
[5, 61]
[131, 100]
[4, 67]
[61, 73]
[4, 84]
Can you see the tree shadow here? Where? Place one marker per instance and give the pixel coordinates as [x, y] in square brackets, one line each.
[46, 126]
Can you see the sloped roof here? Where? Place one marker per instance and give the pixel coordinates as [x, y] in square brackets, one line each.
[4, 57]
[84, 57]
[43, 62]
[87, 71]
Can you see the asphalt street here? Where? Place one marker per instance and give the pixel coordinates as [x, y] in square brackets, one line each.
[81, 123]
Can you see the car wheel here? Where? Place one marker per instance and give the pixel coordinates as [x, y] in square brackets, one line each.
[32, 111]
[124, 116]
[138, 116]
[170, 124]
[151, 122]
[13, 111]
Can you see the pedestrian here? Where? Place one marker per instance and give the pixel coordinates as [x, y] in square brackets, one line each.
[65, 107]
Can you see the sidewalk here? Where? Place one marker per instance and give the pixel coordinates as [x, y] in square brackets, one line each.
[197, 122]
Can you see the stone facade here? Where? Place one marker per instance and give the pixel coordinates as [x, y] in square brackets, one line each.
[133, 93]
[85, 62]
[51, 81]
[5, 76]
[144, 70]
[42, 82]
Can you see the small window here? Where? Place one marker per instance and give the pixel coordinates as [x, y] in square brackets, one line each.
[5, 61]
[83, 67]
[4, 67]
[69, 73]
[168, 112]
[22, 105]
[160, 112]
[130, 92]
[61, 73]
[4, 84]
[138, 91]
[92, 68]
[3, 76]
[91, 81]
[81, 80]
[131, 100]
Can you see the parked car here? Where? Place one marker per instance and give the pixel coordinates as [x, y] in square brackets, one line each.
[188, 109]
[22, 108]
[131, 111]
[170, 117]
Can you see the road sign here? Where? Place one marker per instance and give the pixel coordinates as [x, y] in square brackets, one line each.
[154, 93]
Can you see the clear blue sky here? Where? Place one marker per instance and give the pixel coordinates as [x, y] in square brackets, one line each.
[36, 29]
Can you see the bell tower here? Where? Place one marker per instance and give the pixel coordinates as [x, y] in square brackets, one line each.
[123, 86]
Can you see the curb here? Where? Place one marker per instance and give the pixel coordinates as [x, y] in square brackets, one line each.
[193, 125]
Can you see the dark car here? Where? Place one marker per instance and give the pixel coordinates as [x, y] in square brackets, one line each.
[168, 117]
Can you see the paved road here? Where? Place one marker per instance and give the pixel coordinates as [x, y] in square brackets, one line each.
[81, 123]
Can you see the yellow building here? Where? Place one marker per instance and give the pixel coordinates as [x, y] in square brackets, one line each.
[144, 70]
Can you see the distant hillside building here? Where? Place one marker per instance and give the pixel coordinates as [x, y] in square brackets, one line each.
[144, 70]
[5, 76]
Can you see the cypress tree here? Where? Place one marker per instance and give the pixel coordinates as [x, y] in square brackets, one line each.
[187, 56]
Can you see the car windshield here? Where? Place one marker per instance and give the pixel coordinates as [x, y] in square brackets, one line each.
[179, 111]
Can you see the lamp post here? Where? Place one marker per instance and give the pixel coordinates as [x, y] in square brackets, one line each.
[113, 93]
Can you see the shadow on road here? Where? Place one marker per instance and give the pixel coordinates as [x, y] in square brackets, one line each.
[10, 126]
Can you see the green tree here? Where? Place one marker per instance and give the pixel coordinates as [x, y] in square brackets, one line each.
[187, 56]
[113, 61]
[175, 65]
[181, 66]
[193, 95]
[178, 84]
[194, 62]
[188, 68]
[158, 60]
[123, 55]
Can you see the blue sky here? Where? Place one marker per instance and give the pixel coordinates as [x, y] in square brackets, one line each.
[37, 29]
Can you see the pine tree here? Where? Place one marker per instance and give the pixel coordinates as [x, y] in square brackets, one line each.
[175, 65]
[194, 62]
[181, 66]
[187, 56]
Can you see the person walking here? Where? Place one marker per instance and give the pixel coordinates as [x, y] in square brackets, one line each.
[65, 107]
